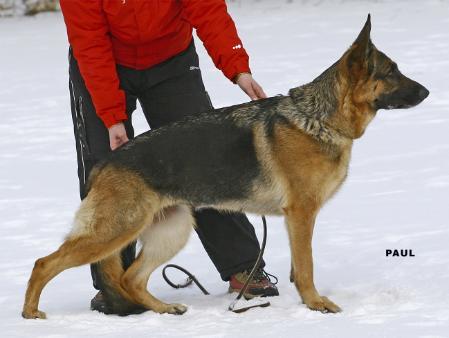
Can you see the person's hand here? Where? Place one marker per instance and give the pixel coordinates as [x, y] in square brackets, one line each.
[250, 86]
[117, 135]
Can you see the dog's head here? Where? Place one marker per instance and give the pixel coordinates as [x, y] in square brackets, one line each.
[368, 81]
[375, 79]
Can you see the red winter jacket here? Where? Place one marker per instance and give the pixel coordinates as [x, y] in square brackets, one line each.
[143, 33]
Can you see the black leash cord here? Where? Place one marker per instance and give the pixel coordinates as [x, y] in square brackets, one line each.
[189, 280]
[256, 265]
[192, 278]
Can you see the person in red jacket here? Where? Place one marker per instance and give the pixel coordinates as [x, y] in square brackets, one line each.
[128, 50]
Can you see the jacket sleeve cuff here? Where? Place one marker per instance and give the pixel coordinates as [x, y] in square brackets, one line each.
[235, 70]
[237, 77]
[110, 119]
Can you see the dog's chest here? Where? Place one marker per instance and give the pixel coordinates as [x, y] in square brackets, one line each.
[333, 178]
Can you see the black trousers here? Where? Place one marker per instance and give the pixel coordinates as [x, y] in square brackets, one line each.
[167, 92]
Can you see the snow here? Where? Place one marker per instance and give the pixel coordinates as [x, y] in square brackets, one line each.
[396, 196]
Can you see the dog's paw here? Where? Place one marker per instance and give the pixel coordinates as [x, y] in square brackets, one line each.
[33, 314]
[176, 309]
[323, 304]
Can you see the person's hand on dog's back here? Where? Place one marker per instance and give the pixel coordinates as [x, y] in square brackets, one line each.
[117, 135]
[250, 86]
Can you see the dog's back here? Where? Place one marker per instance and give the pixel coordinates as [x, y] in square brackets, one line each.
[206, 159]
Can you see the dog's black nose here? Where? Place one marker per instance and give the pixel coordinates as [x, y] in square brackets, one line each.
[423, 93]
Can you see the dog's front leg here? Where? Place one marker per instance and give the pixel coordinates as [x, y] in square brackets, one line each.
[300, 217]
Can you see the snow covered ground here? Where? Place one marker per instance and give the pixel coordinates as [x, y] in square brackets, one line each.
[396, 196]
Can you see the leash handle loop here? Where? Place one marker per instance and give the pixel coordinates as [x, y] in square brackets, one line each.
[189, 280]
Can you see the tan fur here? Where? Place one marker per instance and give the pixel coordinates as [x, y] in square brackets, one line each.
[112, 272]
[313, 174]
[160, 242]
[355, 111]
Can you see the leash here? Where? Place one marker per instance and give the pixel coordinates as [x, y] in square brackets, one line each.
[188, 281]
[254, 302]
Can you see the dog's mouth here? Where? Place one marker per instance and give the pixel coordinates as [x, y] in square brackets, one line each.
[401, 106]
[402, 99]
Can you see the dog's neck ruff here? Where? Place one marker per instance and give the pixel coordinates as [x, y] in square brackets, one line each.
[316, 103]
[314, 122]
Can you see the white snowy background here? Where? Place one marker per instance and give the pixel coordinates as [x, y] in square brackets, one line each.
[396, 196]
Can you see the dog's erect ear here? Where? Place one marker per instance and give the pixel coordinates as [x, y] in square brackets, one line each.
[362, 46]
[364, 36]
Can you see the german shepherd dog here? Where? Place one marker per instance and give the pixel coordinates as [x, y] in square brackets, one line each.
[285, 155]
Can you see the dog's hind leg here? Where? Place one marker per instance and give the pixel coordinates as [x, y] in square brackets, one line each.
[160, 242]
[114, 213]
[72, 253]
